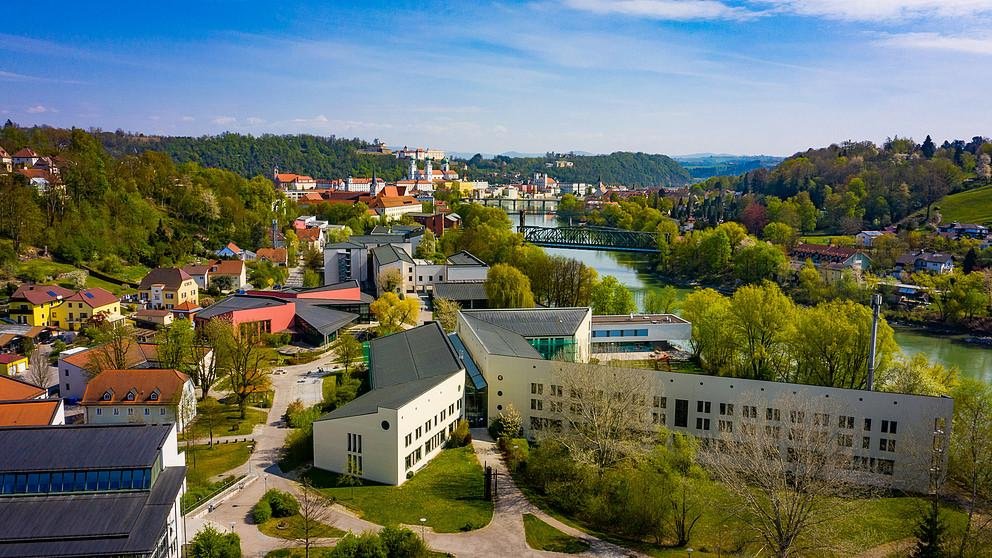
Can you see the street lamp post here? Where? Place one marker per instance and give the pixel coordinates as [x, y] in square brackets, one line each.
[423, 528]
[232, 526]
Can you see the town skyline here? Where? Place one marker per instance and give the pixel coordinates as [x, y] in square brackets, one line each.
[660, 76]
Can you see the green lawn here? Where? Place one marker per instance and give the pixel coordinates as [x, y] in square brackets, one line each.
[541, 536]
[204, 463]
[448, 492]
[287, 527]
[227, 423]
[39, 268]
[840, 239]
[330, 387]
[870, 522]
[971, 206]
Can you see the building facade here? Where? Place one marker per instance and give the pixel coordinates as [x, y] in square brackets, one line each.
[168, 287]
[146, 395]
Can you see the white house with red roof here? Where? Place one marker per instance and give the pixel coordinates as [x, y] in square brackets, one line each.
[6, 161]
[25, 158]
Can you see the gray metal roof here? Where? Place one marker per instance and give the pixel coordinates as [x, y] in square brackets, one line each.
[471, 368]
[342, 246]
[390, 254]
[465, 258]
[89, 524]
[377, 239]
[238, 302]
[55, 448]
[322, 318]
[534, 322]
[461, 290]
[500, 341]
[403, 366]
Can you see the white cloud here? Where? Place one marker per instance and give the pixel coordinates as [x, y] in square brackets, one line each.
[154, 117]
[500, 129]
[677, 10]
[936, 41]
[224, 120]
[254, 120]
[39, 109]
[882, 10]
[187, 119]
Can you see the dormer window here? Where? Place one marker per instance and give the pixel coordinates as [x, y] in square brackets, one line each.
[106, 396]
[131, 394]
[154, 396]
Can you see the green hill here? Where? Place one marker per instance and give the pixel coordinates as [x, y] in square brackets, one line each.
[970, 206]
[621, 167]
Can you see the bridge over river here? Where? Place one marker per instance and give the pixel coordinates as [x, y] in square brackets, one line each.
[591, 238]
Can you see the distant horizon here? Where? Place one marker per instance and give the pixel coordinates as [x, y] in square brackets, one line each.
[656, 76]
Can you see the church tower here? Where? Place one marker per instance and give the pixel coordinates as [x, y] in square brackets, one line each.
[413, 168]
[428, 169]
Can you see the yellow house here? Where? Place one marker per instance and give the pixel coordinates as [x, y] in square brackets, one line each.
[165, 288]
[12, 364]
[77, 310]
[35, 305]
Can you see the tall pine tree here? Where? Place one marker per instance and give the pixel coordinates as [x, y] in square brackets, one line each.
[930, 534]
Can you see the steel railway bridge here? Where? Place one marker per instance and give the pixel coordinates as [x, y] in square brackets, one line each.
[591, 238]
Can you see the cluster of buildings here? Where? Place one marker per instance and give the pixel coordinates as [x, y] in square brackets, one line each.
[52, 306]
[41, 172]
[423, 380]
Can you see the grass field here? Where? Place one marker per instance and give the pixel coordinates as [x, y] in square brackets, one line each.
[837, 239]
[448, 492]
[329, 386]
[39, 269]
[972, 206]
[541, 536]
[289, 527]
[228, 422]
[204, 463]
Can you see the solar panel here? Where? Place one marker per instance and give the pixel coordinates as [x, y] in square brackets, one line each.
[52, 293]
[88, 294]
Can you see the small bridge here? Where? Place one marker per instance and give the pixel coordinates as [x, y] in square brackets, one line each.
[591, 238]
[538, 206]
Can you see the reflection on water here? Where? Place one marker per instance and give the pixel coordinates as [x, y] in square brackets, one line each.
[634, 271]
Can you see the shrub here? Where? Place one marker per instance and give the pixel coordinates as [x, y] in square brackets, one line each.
[211, 543]
[262, 511]
[283, 503]
[293, 409]
[366, 545]
[507, 424]
[461, 436]
[402, 543]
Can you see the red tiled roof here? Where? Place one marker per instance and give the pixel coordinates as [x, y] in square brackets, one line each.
[233, 247]
[41, 294]
[35, 173]
[143, 383]
[272, 254]
[94, 297]
[291, 177]
[3, 153]
[309, 234]
[824, 250]
[28, 413]
[25, 152]
[227, 267]
[12, 389]
[186, 307]
[393, 201]
[137, 354]
[8, 358]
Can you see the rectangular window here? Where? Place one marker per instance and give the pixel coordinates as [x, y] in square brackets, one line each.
[702, 406]
[888, 427]
[681, 413]
[772, 414]
[797, 417]
[99, 411]
[537, 389]
[866, 442]
[419, 432]
[821, 419]
[886, 444]
[117, 411]
[845, 422]
[727, 409]
[726, 426]
[845, 440]
[750, 411]
[147, 411]
[130, 411]
[868, 425]
[702, 424]
[161, 411]
[537, 404]
[660, 402]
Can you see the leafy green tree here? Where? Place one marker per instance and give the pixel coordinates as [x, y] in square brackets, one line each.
[175, 345]
[661, 301]
[211, 543]
[970, 461]
[713, 338]
[759, 262]
[931, 532]
[928, 148]
[347, 351]
[446, 313]
[507, 287]
[761, 317]
[918, 375]
[782, 235]
[403, 543]
[312, 278]
[390, 281]
[610, 296]
[427, 249]
[392, 312]
[365, 545]
[247, 366]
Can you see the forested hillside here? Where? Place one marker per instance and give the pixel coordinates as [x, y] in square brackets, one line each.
[860, 184]
[621, 167]
[706, 166]
[250, 156]
[131, 208]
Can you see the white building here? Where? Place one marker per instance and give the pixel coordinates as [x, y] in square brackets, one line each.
[395, 429]
[419, 276]
[637, 332]
[890, 435]
[147, 395]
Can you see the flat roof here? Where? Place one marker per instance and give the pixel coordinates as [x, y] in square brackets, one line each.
[461, 290]
[320, 317]
[57, 448]
[635, 319]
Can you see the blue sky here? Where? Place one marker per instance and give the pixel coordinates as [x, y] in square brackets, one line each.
[667, 76]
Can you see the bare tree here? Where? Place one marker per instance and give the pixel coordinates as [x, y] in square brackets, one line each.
[604, 412]
[390, 281]
[206, 358]
[315, 516]
[39, 372]
[247, 365]
[787, 467]
[114, 351]
[971, 455]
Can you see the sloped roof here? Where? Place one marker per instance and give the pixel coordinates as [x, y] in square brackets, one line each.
[465, 258]
[501, 341]
[12, 389]
[825, 250]
[534, 322]
[308, 234]
[234, 303]
[227, 267]
[8, 358]
[171, 277]
[149, 386]
[56, 448]
[461, 290]
[95, 297]
[41, 294]
[272, 254]
[25, 152]
[28, 413]
[388, 254]
[322, 317]
[138, 354]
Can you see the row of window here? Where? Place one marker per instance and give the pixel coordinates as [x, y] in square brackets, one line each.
[620, 333]
[436, 441]
[431, 423]
[130, 410]
[75, 481]
[354, 443]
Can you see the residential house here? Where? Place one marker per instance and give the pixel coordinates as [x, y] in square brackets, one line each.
[147, 395]
[93, 490]
[13, 364]
[396, 428]
[469, 295]
[831, 261]
[32, 412]
[437, 222]
[6, 161]
[167, 287]
[394, 207]
[930, 262]
[233, 252]
[25, 158]
[87, 305]
[229, 274]
[311, 238]
[294, 185]
[40, 179]
[420, 153]
[13, 389]
[278, 256]
[35, 304]
[349, 260]
[963, 230]
[866, 239]
[152, 319]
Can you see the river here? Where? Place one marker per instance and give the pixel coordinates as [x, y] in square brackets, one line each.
[634, 271]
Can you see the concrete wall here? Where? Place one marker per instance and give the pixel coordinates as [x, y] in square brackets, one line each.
[467, 273]
[384, 450]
